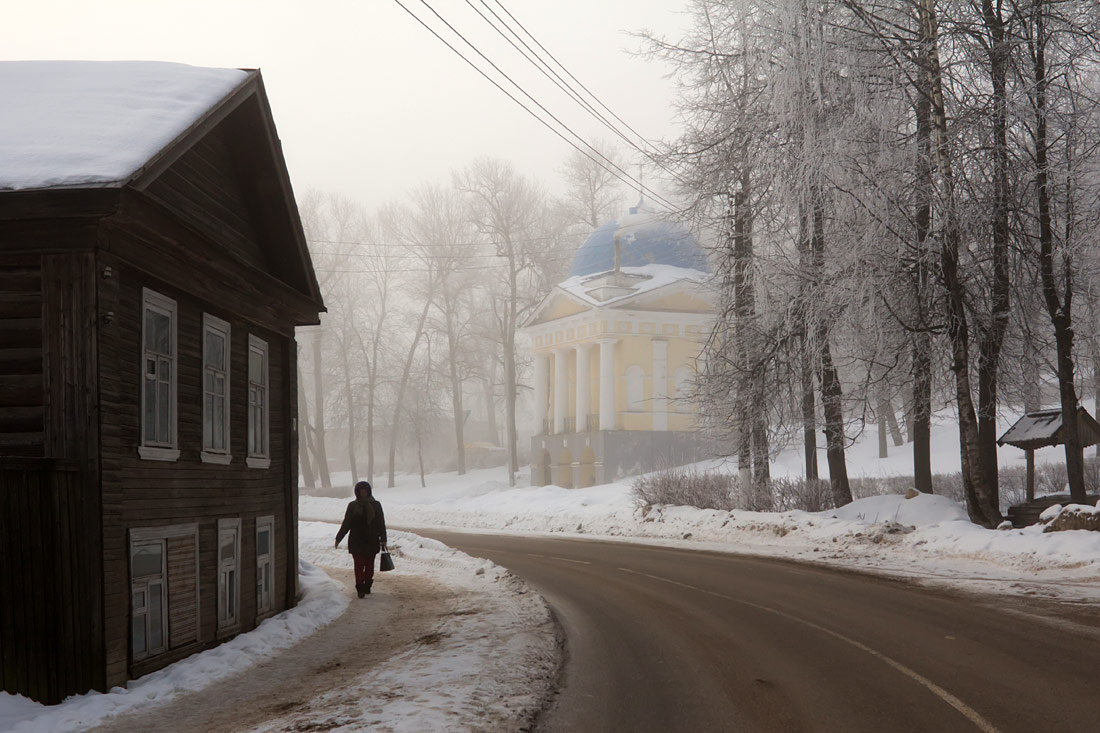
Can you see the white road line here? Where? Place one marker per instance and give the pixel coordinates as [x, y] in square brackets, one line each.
[970, 713]
[566, 559]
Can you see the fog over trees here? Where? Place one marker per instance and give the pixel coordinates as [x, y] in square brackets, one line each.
[903, 191]
[901, 199]
[416, 359]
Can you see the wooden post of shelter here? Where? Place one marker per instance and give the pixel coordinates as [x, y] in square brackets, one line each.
[1030, 453]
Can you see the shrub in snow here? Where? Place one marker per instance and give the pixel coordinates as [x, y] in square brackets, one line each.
[795, 493]
[705, 490]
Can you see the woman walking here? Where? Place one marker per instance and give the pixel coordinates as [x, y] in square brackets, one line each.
[367, 525]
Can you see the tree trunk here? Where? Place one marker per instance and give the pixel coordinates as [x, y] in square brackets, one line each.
[921, 429]
[982, 505]
[401, 388]
[510, 378]
[809, 412]
[892, 424]
[303, 434]
[831, 390]
[992, 338]
[920, 406]
[491, 402]
[349, 398]
[319, 414]
[1096, 386]
[883, 442]
[456, 392]
[1059, 308]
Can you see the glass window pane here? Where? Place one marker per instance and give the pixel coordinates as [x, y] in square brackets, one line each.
[156, 616]
[219, 423]
[215, 349]
[263, 542]
[147, 560]
[150, 420]
[231, 593]
[207, 421]
[208, 381]
[163, 435]
[255, 367]
[219, 385]
[138, 633]
[158, 332]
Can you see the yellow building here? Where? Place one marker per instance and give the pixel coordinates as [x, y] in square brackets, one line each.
[615, 349]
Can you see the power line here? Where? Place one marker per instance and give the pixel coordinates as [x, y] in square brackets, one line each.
[546, 70]
[527, 109]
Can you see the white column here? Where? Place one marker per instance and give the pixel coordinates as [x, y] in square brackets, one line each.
[607, 384]
[561, 389]
[582, 388]
[542, 377]
[660, 384]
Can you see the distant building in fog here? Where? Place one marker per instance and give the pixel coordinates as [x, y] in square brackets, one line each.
[615, 349]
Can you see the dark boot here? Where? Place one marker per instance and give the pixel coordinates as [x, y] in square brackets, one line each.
[366, 587]
[362, 589]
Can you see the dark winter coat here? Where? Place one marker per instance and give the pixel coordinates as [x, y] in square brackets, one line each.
[367, 525]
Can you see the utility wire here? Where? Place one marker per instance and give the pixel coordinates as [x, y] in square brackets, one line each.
[531, 112]
[546, 70]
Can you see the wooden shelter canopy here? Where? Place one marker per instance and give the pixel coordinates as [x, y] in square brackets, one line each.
[1043, 428]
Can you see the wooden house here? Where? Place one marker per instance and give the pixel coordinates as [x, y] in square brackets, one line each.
[152, 271]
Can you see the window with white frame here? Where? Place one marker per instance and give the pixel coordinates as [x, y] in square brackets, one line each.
[215, 389]
[148, 599]
[158, 390]
[265, 564]
[229, 573]
[258, 415]
[635, 388]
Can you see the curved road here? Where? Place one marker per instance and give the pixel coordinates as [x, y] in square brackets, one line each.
[661, 639]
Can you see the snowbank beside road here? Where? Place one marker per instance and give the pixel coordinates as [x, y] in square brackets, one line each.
[323, 600]
[927, 538]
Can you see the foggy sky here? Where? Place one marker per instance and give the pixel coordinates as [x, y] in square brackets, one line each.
[366, 101]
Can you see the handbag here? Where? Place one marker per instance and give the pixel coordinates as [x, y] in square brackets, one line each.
[385, 561]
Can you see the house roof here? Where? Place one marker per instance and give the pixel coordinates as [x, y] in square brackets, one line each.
[97, 123]
[1043, 428]
[75, 135]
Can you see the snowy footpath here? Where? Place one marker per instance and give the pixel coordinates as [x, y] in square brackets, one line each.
[445, 642]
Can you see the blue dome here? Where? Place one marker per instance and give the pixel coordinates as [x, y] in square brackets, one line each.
[644, 239]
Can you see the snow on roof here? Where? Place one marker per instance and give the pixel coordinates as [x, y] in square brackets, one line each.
[74, 123]
[656, 276]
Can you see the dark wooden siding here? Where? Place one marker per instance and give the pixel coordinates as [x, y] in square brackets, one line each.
[50, 634]
[202, 187]
[183, 611]
[22, 402]
[146, 493]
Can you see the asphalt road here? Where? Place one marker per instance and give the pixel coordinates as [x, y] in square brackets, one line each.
[661, 639]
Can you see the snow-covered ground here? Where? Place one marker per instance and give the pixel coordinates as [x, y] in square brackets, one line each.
[928, 538]
[491, 664]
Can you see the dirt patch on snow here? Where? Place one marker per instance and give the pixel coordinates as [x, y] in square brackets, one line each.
[400, 612]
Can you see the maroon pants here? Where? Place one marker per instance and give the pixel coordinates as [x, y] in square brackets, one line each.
[364, 568]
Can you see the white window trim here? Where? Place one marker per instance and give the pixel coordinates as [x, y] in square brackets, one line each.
[217, 325]
[162, 580]
[265, 523]
[151, 299]
[260, 459]
[226, 625]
